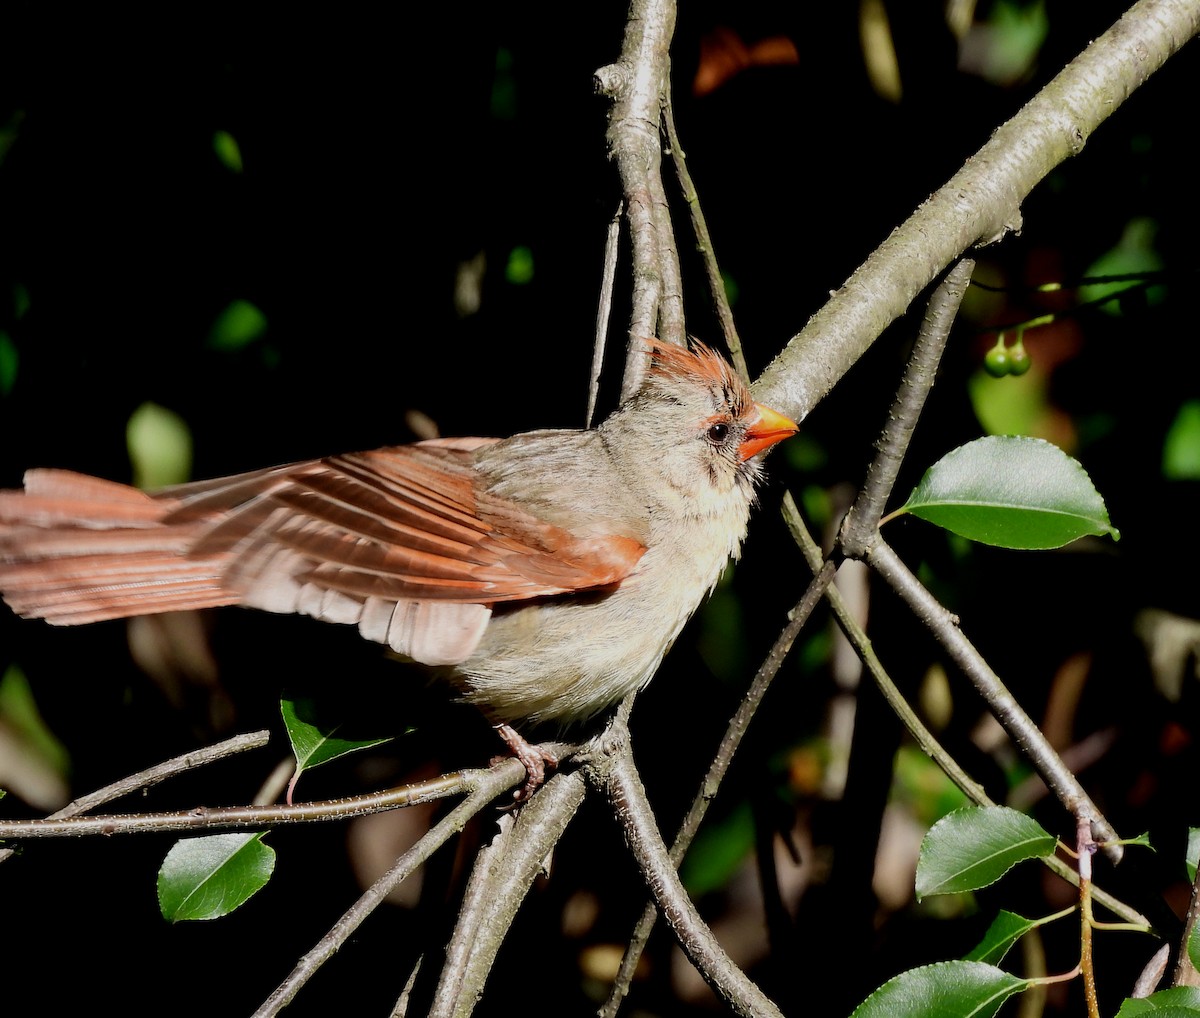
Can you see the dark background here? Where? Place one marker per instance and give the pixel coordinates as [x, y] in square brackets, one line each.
[382, 152]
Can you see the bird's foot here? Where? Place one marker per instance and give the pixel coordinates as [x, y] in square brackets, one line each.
[535, 760]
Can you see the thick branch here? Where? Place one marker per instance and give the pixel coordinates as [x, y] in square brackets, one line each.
[979, 203]
[503, 874]
[637, 83]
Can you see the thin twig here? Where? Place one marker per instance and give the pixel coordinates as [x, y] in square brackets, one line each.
[604, 311]
[154, 775]
[1185, 972]
[704, 246]
[272, 815]
[861, 524]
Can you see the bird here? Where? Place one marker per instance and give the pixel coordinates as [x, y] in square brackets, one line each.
[544, 576]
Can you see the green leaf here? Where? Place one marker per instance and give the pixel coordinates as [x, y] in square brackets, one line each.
[1193, 947]
[1133, 254]
[1192, 856]
[239, 325]
[206, 878]
[1010, 406]
[952, 989]
[973, 847]
[519, 269]
[227, 150]
[1006, 929]
[1181, 449]
[1011, 492]
[314, 739]
[1178, 1002]
[10, 360]
[160, 446]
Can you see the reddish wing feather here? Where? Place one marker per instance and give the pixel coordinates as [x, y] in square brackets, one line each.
[399, 524]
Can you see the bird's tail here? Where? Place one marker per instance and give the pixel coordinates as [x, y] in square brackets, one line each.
[76, 549]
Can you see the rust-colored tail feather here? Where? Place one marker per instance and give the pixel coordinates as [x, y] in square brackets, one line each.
[76, 549]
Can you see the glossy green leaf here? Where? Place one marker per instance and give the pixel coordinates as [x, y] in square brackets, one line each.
[206, 878]
[314, 739]
[1193, 948]
[1178, 1002]
[1192, 856]
[952, 989]
[1011, 492]
[1006, 929]
[973, 847]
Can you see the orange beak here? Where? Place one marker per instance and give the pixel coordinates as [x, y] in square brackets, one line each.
[765, 429]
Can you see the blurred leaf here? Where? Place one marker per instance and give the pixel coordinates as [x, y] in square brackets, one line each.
[721, 641]
[951, 989]
[519, 269]
[1177, 1002]
[160, 446]
[227, 150]
[10, 359]
[1011, 492]
[1193, 852]
[20, 712]
[1133, 253]
[239, 325]
[1006, 929]
[206, 878]
[1181, 450]
[504, 87]
[974, 847]
[923, 787]
[1015, 405]
[1004, 49]
[719, 849]
[732, 290]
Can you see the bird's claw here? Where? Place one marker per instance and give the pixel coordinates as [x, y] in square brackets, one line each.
[535, 760]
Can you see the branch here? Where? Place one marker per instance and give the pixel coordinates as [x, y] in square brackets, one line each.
[637, 84]
[147, 779]
[979, 204]
[624, 788]
[1001, 702]
[485, 787]
[273, 815]
[504, 871]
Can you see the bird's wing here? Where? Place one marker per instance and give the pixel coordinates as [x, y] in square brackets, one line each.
[399, 541]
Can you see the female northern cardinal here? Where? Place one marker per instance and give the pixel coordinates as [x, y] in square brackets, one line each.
[545, 575]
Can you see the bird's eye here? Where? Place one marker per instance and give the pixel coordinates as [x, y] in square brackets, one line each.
[717, 433]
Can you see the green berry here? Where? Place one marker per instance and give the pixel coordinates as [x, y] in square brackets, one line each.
[996, 361]
[1018, 358]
